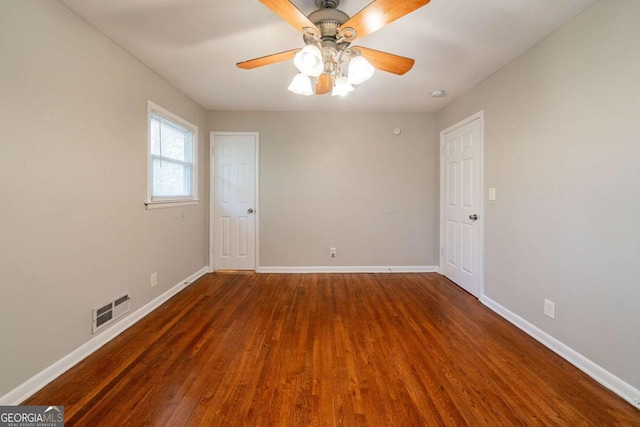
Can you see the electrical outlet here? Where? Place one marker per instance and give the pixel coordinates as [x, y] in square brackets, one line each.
[153, 280]
[332, 252]
[549, 308]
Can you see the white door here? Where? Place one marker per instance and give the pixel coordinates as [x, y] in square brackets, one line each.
[235, 202]
[461, 176]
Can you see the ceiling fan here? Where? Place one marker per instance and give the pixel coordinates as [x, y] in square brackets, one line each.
[328, 33]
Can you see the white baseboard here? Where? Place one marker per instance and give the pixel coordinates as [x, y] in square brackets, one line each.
[598, 373]
[351, 269]
[44, 377]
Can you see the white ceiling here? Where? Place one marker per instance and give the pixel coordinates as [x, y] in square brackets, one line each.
[195, 45]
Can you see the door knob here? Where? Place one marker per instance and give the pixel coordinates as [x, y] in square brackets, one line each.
[473, 217]
[250, 210]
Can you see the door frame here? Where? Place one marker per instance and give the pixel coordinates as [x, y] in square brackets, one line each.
[212, 200]
[477, 116]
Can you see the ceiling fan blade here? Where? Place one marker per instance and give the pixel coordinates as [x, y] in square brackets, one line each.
[386, 61]
[287, 11]
[324, 85]
[380, 13]
[269, 59]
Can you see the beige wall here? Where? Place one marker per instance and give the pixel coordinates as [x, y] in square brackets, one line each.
[344, 181]
[563, 151]
[73, 228]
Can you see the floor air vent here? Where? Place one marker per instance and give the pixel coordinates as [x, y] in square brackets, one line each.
[105, 314]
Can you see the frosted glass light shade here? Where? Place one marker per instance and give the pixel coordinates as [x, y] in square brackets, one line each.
[341, 87]
[301, 85]
[309, 61]
[360, 70]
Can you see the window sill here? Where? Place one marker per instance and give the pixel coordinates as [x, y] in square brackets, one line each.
[171, 204]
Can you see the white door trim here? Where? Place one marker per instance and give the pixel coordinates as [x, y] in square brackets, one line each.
[212, 202]
[477, 116]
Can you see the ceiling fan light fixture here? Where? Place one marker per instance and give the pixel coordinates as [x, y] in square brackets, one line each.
[301, 85]
[360, 70]
[341, 87]
[309, 61]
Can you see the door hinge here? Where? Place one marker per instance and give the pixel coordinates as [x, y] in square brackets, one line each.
[441, 251]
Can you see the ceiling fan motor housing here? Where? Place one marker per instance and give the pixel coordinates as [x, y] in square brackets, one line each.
[327, 3]
[329, 21]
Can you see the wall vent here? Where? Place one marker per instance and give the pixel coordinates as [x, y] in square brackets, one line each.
[107, 313]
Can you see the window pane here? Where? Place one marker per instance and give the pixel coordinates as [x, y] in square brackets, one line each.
[170, 140]
[173, 143]
[171, 179]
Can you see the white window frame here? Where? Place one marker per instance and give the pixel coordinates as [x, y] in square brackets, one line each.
[167, 202]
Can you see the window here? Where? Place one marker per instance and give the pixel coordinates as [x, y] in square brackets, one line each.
[173, 144]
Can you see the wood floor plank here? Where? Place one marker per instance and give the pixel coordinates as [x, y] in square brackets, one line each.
[328, 350]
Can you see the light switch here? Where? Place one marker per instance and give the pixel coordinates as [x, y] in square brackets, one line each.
[492, 194]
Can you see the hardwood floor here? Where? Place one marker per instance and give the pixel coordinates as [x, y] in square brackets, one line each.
[328, 349]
